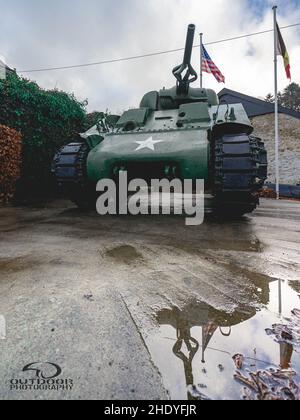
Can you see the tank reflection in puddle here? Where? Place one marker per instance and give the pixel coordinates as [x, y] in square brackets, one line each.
[206, 317]
[202, 341]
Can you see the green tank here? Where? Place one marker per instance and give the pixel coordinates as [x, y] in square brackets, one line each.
[182, 133]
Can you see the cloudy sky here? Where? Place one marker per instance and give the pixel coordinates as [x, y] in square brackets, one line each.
[49, 33]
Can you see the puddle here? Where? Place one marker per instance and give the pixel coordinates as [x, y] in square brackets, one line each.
[28, 262]
[14, 265]
[195, 346]
[208, 244]
[124, 254]
[295, 285]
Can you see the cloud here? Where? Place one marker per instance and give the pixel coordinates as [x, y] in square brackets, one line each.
[44, 33]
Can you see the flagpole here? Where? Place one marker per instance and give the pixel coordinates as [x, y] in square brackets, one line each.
[276, 105]
[201, 61]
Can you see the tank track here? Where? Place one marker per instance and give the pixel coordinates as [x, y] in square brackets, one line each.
[240, 172]
[69, 168]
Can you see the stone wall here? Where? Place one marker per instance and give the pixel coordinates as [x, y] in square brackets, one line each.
[289, 146]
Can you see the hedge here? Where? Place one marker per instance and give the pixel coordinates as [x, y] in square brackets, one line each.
[46, 119]
[10, 162]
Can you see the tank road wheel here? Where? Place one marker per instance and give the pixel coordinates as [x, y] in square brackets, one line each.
[240, 172]
[69, 167]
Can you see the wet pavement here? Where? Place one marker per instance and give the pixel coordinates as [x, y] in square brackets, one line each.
[145, 307]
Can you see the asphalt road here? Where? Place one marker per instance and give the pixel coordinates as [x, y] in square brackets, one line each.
[88, 293]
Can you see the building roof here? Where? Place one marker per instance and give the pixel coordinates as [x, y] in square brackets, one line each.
[4, 66]
[253, 106]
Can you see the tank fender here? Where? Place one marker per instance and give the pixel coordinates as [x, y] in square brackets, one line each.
[222, 128]
[92, 139]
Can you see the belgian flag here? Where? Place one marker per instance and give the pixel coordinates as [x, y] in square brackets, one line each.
[281, 50]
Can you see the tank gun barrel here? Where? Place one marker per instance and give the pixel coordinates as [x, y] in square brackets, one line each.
[183, 82]
[189, 45]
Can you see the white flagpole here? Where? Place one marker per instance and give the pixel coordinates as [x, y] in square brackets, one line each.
[276, 105]
[201, 61]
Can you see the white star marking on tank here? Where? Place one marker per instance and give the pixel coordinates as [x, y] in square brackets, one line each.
[147, 144]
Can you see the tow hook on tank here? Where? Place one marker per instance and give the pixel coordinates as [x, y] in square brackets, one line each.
[171, 172]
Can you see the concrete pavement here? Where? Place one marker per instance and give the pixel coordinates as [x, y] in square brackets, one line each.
[83, 291]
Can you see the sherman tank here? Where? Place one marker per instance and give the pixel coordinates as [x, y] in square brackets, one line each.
[178, 133]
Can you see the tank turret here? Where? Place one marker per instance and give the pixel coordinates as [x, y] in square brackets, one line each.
[182, 93]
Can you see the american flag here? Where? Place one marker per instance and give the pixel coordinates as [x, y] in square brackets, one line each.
[208, 66]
